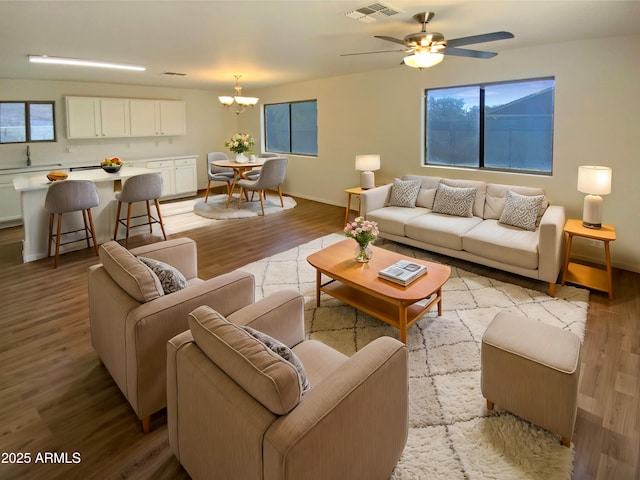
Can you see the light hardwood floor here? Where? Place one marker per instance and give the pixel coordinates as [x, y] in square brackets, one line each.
[56, 397]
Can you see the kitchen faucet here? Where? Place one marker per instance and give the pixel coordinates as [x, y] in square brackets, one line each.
[28, 156]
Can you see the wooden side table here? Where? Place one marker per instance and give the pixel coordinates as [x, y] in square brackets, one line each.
[352, 191]
[590, 277]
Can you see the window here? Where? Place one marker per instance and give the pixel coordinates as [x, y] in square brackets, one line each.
[291, 127]
[501, 126]
[22, 122]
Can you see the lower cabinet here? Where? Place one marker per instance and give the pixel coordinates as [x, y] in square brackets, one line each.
[179, 175]
[167, 169]
[10, 210]
[186, 176]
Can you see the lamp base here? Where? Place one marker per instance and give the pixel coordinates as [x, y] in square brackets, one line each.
[367, 180]
[592, 212]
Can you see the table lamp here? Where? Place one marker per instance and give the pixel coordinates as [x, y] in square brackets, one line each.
[366, 164]
[594, 181]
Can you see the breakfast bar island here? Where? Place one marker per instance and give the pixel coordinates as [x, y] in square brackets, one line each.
[33, 190]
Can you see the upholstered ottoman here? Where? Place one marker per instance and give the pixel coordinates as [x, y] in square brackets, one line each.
[531, 369]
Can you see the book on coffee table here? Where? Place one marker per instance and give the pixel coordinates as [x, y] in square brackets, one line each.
[403, 272]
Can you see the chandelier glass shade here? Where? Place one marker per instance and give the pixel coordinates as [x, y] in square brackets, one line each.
[423, 59]
[242, 103]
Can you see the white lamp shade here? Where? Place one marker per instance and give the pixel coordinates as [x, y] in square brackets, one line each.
[423, 59]
[594, 180]
[367, 163]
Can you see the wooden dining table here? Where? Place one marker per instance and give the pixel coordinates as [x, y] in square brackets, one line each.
[239, 171]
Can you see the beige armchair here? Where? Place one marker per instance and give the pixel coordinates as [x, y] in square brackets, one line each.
[131, 318]
[236, 409]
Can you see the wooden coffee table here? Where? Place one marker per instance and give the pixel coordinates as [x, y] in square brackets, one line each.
[358, 284]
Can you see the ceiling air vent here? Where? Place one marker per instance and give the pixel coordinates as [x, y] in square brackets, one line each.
[368, 13]
[175, 74]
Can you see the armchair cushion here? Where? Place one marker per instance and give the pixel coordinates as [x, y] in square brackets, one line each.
[133, 276]
[267, 377]
[170, 277]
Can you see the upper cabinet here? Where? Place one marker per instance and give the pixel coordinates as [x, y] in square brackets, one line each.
[151, 118]
[90, 117]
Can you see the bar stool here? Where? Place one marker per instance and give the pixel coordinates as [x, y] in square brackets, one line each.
[140, 188]
[71, 196]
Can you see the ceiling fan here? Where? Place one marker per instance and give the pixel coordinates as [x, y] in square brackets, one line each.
[426, 49]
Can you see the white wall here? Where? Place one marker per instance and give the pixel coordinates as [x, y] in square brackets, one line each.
[208, 125]
[597, 103]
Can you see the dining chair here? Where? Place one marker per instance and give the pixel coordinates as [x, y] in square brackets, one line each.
[140, 188]
[217, 174]
[271, 176]
[255, 173]
[68, 196]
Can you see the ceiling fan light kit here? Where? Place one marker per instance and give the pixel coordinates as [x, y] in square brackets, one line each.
[426, 49]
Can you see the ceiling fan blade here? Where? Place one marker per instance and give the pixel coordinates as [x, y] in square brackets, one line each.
[391, 39]
[486, 37]
[367, 53]
[463, 52]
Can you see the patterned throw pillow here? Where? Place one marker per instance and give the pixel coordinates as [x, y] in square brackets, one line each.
[404, 193]
[283, 351]
[521, 210]
[170, 278]
[456, 201]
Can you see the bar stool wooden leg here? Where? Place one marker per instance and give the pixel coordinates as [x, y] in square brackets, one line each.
[51, 218]
[86, 228]
[160, 218]
[115, 232]
[55, 261]
[93, 231]
[126, 239]
[149, 217]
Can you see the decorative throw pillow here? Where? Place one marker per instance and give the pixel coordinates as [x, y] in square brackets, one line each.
[404, 193]
[283, 351]
[521, 210]
[456, 201]
[170, 277]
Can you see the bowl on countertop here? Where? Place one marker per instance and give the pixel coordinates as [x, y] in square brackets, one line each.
[111, 169]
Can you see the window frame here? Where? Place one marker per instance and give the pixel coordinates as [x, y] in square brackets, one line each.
[289, 104]
[481, 128]
[27, 120]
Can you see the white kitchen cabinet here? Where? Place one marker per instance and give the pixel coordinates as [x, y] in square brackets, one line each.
[89, 117]
[167, 169]
[186, 176]
[150, 118]
[10, 210]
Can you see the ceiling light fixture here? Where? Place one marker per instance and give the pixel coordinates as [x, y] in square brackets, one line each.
[423, 59]
[83, 63]
[242, 102]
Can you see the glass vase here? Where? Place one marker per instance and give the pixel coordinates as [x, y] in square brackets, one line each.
[241, 158]
[364, 253]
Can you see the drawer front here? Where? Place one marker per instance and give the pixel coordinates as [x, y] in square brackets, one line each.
[181, 162]
[161, 164]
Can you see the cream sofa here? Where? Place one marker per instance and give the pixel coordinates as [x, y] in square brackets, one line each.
[235, 409]
[480, 237]
[131, 318]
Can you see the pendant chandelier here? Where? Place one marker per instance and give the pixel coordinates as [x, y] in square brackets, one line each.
[242, 103]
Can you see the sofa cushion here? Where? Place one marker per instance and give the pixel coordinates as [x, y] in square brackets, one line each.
[283, 351]
[133, 276]
[263, 374]
[170, 277]
[521, 210]
[441, 230]
[428, 188]
[404, 193]
[478, 205]
[393, 219]
[503, 243]
[454, 201]
[497, 196]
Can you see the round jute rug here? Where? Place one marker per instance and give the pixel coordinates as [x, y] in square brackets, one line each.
[216, 206]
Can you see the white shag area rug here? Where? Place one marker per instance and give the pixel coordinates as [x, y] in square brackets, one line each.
[216, 206]
[452, 435]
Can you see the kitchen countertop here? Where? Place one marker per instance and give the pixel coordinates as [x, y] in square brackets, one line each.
[39, 181]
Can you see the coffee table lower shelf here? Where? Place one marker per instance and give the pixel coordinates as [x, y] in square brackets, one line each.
[395, 313]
